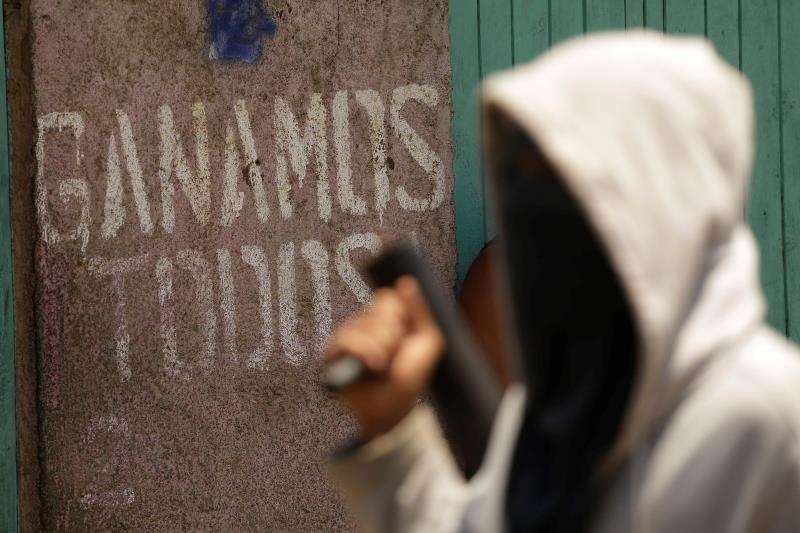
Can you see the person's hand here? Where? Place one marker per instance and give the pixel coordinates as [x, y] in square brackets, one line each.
[399, 342]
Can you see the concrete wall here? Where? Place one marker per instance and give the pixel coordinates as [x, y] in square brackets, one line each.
[22, 125]
[199, 223]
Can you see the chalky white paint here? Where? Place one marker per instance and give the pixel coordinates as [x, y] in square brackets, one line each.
[318, 260]
[46, 123]
[117, 269]
[113, 211]
[197, 186]
[370, 100]
[296, 149]
[287, 303]
[117, 426]
[420, 150]
[113, 498]
[79, 190]
[200, 270]
[255, 257]
[106, 424]
[251, 159]
[299, 149]
[348, 200]
[227, 304]
[135, 172]
[232, 197]
[345, 268]
[172, 365]
[415, 242]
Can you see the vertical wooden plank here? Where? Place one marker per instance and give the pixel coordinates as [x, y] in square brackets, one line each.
[605, 15]
[790, 92]
[9, 505]
[465, 58]
[685, 16]
[531, 28]
[654, 14]
[634, 13]
[566, 19]
[722, 26]
[496, 42]
[761, 63]
[495, 35]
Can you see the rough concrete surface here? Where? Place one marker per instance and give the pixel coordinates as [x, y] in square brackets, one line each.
[198, 226]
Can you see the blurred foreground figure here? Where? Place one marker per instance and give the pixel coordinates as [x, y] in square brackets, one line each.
[653, 398]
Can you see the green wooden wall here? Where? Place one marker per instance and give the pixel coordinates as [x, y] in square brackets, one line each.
[8, 433]
[760, 37]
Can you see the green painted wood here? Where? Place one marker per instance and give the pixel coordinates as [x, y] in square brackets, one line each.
[654, 14]
[605, 15]
[685, 16]
[790, 85]
[531, 28]
[495, 35]
[722, 28]
[497, 53]
[566, 19]
[761, 63]
[634, 13]
[9, 502]
[465, 59]
[752, 43]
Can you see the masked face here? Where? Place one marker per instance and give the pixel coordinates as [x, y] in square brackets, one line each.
[564, 291]
[575, 338]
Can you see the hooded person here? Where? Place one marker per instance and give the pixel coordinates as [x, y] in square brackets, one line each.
[652, 397]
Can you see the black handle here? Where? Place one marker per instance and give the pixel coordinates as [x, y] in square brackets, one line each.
[464, 388]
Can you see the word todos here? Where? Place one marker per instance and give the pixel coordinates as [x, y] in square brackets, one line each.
[205, 277]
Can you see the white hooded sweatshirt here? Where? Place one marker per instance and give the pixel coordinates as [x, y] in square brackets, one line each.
[653, 136]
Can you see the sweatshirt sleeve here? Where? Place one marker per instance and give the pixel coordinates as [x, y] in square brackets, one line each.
[404, 480]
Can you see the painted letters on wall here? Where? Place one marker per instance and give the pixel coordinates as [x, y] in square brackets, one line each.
[201, 222]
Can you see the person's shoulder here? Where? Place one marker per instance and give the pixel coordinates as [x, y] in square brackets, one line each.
[757, 386]
[732, 441]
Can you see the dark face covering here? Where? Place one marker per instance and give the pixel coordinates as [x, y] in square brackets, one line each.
[576, 341]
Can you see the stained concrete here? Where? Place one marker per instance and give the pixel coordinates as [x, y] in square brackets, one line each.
[21, 114]
[189, 436]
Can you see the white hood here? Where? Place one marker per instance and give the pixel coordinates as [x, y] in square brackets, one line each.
[658, 155]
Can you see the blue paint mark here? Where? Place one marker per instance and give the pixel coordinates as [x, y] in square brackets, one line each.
[236, 29]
